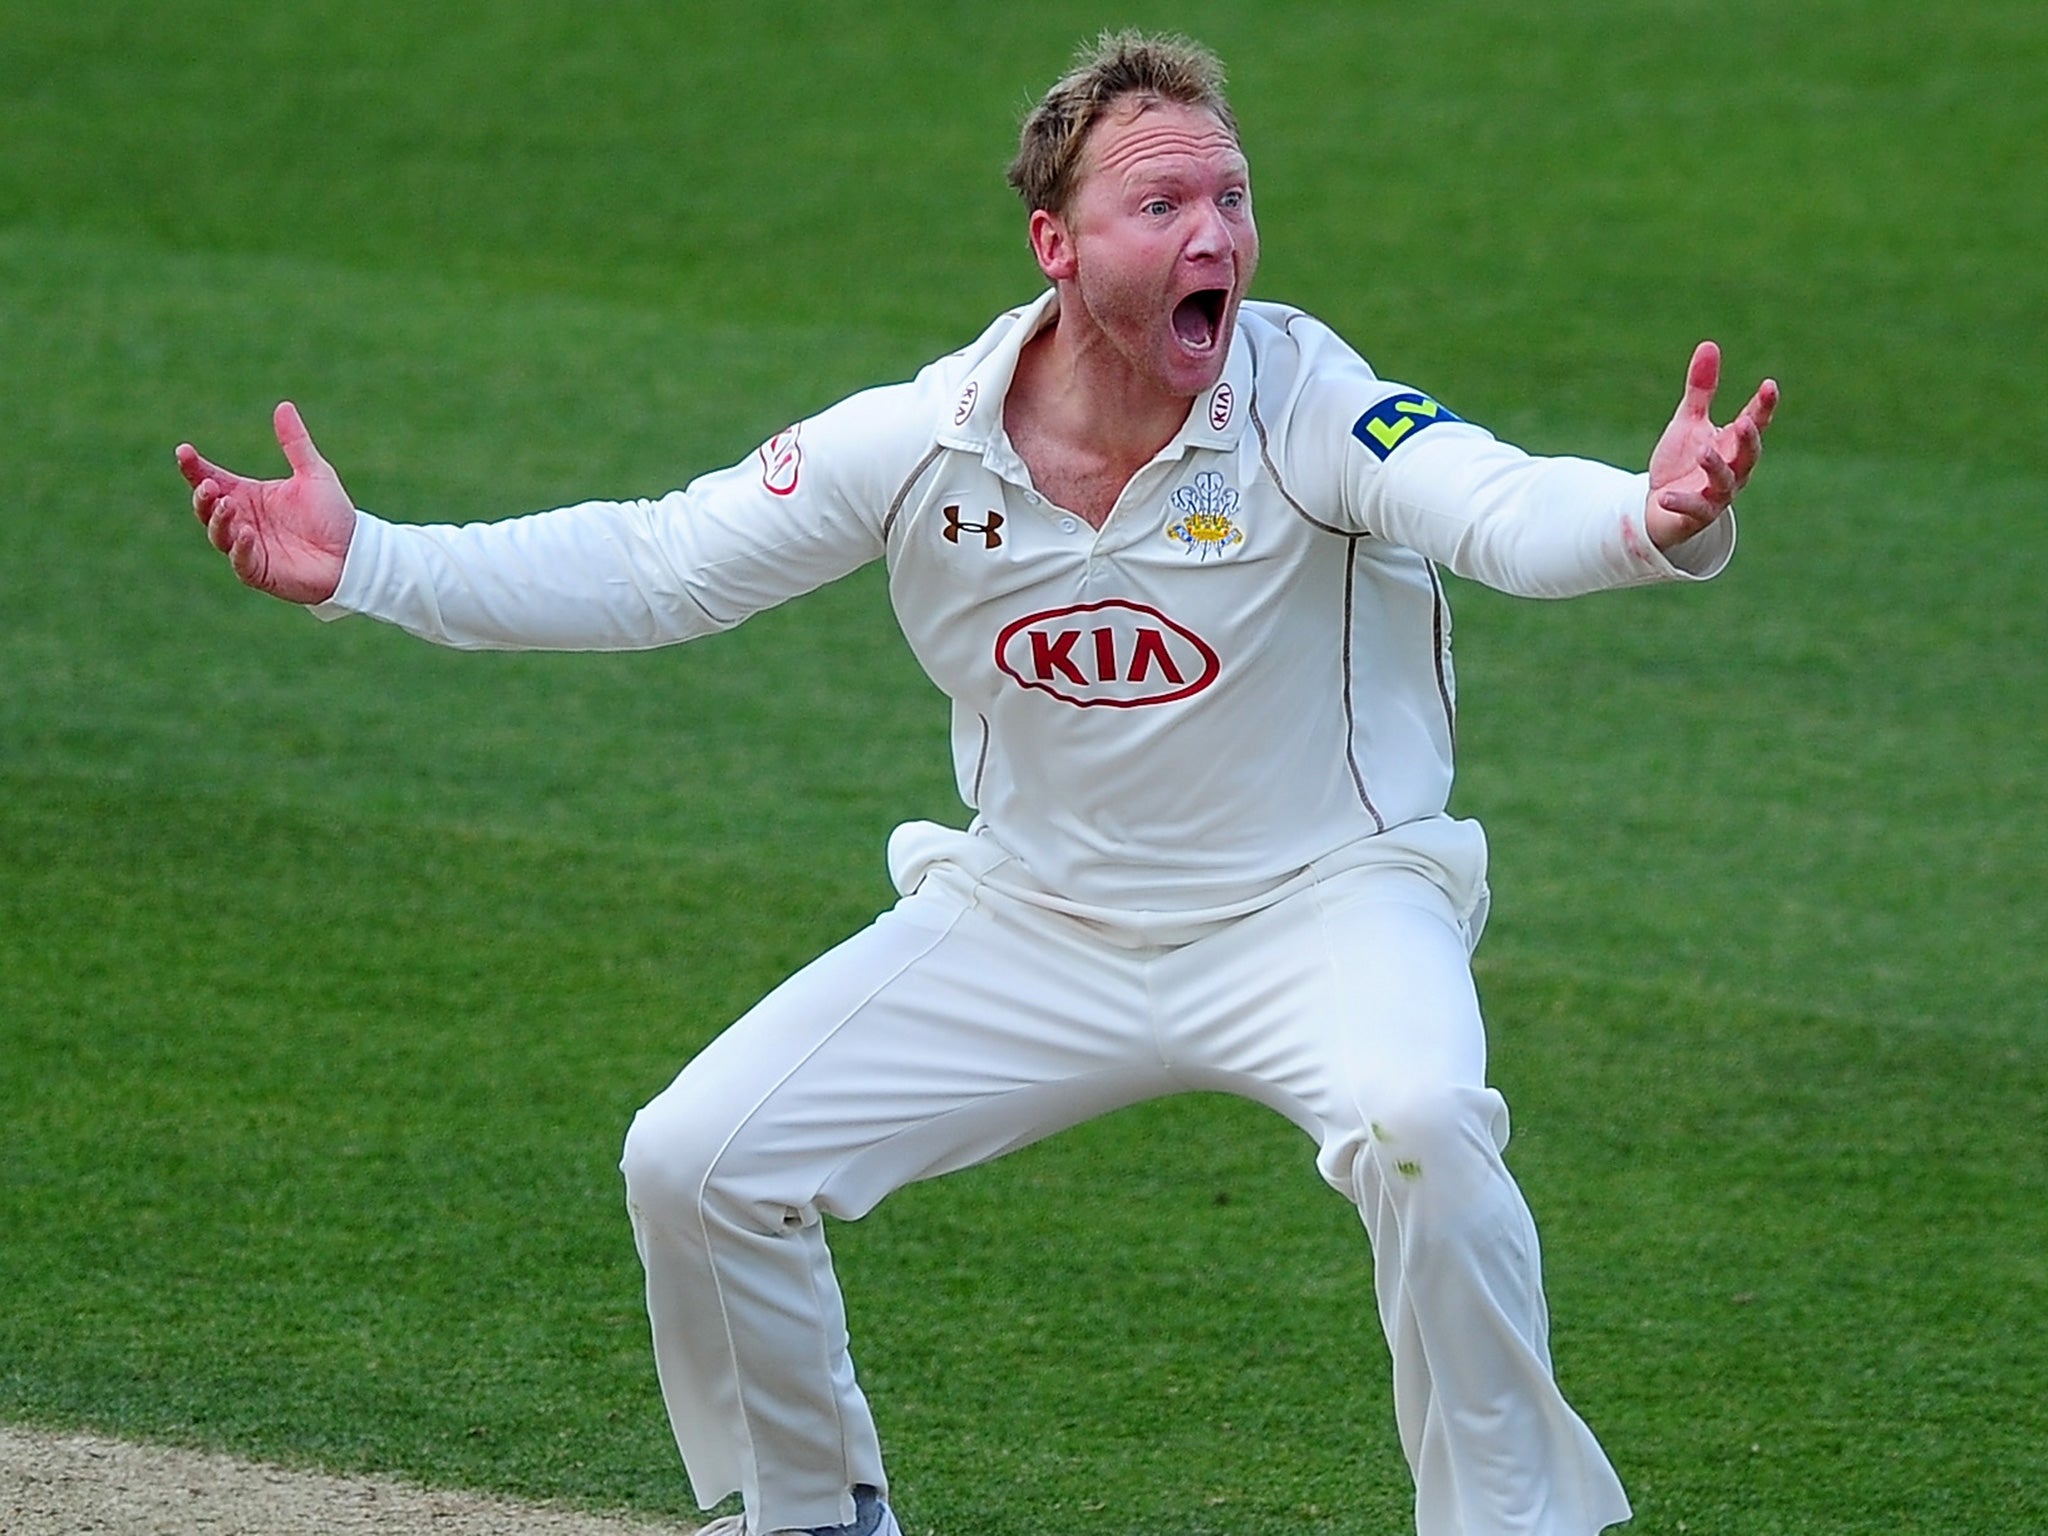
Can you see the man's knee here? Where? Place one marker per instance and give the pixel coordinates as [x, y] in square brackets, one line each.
[675, 1150]
[1437, 1150]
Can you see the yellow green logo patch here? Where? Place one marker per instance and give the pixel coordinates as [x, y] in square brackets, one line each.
[1397, 418]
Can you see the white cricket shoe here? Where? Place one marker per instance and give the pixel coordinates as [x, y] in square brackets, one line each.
[871, 1518]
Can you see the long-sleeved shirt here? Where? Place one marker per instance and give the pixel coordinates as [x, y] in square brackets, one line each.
[1245, 673]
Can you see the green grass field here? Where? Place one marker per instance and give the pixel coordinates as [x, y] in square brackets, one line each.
[332, 966]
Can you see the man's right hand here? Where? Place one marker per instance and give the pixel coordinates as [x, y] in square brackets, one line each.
[285, 537]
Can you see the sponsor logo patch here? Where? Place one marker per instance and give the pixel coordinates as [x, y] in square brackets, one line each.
[1204, 526]
[965, 408]
[782, 462]
[1396, 419]
[988, 532]
[1221, 404]
[1115, 654]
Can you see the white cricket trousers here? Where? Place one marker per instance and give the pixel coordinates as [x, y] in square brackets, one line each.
[965, 1023]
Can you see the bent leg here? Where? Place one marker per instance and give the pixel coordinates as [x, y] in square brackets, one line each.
[1493, 1444]
[939, 1037]
[1352, 1010]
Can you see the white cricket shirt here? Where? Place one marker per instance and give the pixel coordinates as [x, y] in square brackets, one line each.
[1245, 673]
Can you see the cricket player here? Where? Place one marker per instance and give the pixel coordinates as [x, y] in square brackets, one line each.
[1173, 555]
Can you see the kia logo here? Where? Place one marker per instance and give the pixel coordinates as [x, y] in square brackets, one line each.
[1113, 653]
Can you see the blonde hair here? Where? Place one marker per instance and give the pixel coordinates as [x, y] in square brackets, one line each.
[1118, 66]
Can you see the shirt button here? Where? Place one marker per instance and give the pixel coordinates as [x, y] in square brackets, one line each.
[1068, 525]
[1032, 497]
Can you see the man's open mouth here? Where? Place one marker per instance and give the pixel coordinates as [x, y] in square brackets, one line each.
[1198, 318]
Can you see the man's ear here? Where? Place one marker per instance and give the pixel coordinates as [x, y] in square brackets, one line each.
[1052, 243]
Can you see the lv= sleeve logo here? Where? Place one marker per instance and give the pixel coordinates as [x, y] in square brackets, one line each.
[1397, 418]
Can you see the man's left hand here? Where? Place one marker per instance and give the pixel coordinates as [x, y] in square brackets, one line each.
[1697, 469]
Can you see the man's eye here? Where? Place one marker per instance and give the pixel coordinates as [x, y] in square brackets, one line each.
[1158, 205]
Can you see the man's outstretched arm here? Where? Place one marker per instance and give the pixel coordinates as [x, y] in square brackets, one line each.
[286, 537]
[598, 575]
[1697, 469]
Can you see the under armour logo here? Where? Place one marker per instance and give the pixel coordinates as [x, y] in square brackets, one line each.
[990, 531]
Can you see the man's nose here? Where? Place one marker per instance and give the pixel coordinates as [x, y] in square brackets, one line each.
[1213, 234]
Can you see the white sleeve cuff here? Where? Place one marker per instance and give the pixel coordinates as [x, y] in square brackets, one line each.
[1707, 553]
[360, 558]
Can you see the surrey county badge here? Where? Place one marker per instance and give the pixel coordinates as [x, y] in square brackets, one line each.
[1204, 526]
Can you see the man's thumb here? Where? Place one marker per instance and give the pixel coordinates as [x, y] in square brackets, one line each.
[296, 441]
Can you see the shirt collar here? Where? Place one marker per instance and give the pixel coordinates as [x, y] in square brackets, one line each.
[972, 419]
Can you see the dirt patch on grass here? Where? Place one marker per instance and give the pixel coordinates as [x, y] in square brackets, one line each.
[86, 1485]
